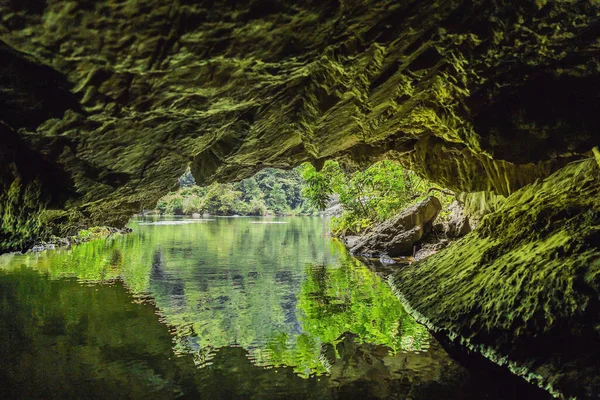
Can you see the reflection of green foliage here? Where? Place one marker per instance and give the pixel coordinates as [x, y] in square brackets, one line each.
[236, 280]
[349, 298]
[101, 260]
[73, 339]
[61, 339]
[229, 281]
[352, 299]
[300, 351]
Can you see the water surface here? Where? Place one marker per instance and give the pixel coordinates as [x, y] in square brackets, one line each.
[218, 308]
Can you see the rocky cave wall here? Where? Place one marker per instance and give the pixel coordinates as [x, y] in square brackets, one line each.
[105, 103]
[523, 289]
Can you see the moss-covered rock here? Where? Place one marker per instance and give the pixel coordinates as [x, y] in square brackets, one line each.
[524, 288]
[119, 97]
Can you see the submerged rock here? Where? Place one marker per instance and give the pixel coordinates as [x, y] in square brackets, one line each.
[398, 235]
[523, 289]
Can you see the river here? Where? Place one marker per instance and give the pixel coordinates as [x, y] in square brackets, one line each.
[223, 308]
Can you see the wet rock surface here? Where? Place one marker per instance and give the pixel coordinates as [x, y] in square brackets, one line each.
[523, 288]
[104, 104]
[109, 101]
[459, 224]
[399, 235]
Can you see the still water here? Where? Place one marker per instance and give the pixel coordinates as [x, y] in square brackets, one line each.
[225, 308]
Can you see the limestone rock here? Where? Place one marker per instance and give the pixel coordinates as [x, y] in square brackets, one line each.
[333, 208]
[104, 103]
[398, 235]
[458, 224]
[523, 288]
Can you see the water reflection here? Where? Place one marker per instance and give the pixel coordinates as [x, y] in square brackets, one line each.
[245, 310]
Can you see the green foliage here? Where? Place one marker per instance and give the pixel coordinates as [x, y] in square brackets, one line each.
[92, 233]
[172, 203]
[257, 207]
[320, 186]
[277, 200]
[368, 197]
[193, 204]
[270, 191]
[83, 341]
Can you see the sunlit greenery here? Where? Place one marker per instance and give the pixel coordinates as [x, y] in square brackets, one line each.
[340, 299]
[368, 197]
[271, 191]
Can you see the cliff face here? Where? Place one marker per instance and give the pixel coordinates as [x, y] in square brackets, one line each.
[104, 103]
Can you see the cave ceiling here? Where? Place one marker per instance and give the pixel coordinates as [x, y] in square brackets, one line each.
[105, 103]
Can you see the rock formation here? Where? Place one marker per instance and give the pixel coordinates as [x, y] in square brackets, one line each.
[105, 103]
[524, 287]
[398, 235]
[459, 223]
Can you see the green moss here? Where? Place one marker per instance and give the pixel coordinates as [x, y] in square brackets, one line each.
[523, 287]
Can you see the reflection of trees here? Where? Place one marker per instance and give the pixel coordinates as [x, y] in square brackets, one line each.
[336, 300]
[351, 298]
[61, 339]
[279, 291]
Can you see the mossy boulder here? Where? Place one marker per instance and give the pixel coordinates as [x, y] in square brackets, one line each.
[398, 235]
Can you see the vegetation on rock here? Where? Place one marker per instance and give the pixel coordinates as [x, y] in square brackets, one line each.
[368, 197]
[523, 288]
[474, 95]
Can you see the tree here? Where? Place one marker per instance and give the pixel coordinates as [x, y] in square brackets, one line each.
[276, 200]
[321, 185]
[250, 190]
[270, 190]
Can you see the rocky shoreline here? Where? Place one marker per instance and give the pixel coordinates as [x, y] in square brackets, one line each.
[83, 236]
[411, 235]
[548, 280]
